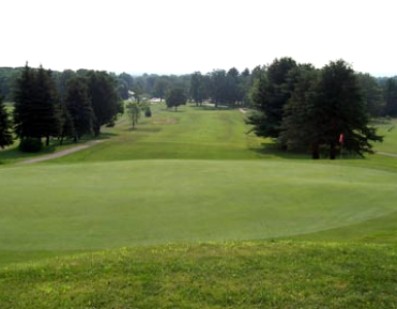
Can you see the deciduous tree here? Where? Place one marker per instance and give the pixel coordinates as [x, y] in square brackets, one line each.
[175, 98]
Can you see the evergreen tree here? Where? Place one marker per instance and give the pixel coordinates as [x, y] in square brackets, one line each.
[104, 98]
[5, 126]
[300, 122]
[36, 112]
[340, 109]
[79, 109]
[24, 99]
[271, 92]
[46, 106]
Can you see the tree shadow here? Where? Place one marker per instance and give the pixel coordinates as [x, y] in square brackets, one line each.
[267, 149]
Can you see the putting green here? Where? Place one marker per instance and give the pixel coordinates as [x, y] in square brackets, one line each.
[113, 204]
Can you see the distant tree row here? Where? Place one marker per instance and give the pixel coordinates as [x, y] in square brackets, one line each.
[314, 110]
[83, 102]
[221, 87]
[229, 88]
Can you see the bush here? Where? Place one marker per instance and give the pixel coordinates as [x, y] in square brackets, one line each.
[30, 145]
[148, 112]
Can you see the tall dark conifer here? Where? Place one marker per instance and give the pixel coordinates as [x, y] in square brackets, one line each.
[300, 122]
[104, 98]
[271, 93]
[46, 105]
[341, 109]
[79, 115]
[24, 98]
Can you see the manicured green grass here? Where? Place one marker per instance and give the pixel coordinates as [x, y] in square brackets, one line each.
[388, 129]
[190, 133]
[229, 275]
[94, 206]
[188, 177]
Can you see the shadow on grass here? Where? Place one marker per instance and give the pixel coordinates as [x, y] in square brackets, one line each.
[213, 108]
[104, 135]
[143, 129]
[272, 149]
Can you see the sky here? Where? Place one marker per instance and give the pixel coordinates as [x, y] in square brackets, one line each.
[183, 36]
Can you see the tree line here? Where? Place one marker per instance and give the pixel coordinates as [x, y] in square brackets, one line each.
[82, 103]
[221, 87]
[278, 92]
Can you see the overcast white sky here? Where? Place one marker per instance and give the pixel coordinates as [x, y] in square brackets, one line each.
[182, 36]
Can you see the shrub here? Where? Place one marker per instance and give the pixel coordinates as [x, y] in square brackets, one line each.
[30, 144]
[148, 112]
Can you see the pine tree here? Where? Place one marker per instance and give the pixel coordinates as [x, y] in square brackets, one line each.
[299, 124]
[79, 109]
[104, 98]
[272, 91]
[24, 97]
[341, 109]
[36, 112]
[46, 105]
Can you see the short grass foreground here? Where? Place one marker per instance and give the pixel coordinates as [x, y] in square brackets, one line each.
[189, 211]
[231, 275]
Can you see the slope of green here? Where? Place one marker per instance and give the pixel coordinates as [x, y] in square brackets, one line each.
[231, 275]
[91, 206]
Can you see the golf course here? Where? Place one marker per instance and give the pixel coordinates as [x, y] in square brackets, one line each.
[191, 210]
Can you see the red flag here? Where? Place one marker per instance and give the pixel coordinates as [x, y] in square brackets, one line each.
[341, 138]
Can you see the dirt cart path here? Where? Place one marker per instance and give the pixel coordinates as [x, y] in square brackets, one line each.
[61, 153]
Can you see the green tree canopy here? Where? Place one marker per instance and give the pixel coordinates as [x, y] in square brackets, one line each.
[300, 123]
[341, 109]
[175, 98]
[272, 90]
[104, 98]
[78, 106]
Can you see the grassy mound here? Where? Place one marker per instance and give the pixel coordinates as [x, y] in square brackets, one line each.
[231, 275]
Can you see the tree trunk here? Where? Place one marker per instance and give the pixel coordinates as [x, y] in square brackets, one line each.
[47, 141]
[332, 151]
[315, 151]
[97, 130]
